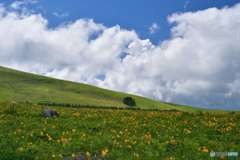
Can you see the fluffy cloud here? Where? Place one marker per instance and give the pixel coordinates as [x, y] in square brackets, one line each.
[153, 28]
[21, 5]
[199, 65]
[60, 15]
[186, 4]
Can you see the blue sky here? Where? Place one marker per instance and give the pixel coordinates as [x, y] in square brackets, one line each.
[136, 15]
[130, 46]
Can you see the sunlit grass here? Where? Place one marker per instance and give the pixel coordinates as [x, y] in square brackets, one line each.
[20, 86]
[115, 134]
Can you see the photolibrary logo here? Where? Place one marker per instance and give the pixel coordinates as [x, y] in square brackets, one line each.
[224, 154]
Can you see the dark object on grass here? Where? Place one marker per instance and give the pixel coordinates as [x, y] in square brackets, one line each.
[129, 101]
[50, 113]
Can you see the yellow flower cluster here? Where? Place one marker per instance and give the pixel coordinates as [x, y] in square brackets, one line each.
[62, 139]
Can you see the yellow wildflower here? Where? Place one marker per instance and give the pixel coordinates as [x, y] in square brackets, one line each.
[148, 138]
[49, 137]
[204, 149]
[88, 154]
[104, 152]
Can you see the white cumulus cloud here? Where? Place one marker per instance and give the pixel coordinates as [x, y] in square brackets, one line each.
[199, 64]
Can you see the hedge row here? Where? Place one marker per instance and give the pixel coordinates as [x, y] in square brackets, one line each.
[98, 106]
[84, 106]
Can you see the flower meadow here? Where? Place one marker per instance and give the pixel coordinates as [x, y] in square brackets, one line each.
[115, 134]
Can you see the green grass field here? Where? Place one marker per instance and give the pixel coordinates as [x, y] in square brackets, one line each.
[172, 132]
[115, 134]
[19, 86]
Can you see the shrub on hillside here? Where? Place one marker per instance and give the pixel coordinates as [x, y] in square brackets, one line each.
[129, 101]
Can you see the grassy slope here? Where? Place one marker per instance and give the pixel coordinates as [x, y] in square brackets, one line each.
[21, 86]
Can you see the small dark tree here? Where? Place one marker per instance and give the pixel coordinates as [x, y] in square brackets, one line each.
[129, 101]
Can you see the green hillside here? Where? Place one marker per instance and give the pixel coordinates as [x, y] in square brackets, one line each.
[20, 86]
[104, 133]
